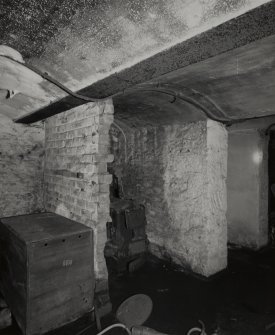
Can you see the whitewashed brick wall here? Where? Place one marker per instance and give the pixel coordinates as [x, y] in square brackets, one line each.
[76, 178]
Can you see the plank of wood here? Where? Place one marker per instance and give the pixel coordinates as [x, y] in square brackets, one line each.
[43, 226]
[60, 292]
[52, 311]
[13, 280]
[60, 263]
[48, 273]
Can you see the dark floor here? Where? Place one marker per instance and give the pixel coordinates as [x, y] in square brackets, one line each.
[241, 300]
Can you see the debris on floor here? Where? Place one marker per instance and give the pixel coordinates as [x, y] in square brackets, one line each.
[102, 302]
[127, 244]
[5, 318]
[241, 301]
[270, 325]
[5, 314]
[3, 303]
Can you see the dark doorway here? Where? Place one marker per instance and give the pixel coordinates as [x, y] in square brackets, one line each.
[271, 187]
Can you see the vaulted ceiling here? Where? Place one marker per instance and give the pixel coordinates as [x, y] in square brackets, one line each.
[222, 49]
[241, 82]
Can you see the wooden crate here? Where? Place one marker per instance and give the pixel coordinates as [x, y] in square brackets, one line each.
[47, 274]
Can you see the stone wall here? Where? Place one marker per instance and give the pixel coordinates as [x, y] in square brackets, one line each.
[21, 165]
[178, 172]
[76, 178]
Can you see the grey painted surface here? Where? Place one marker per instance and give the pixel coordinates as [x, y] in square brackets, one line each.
[82, 42]
[247, 184]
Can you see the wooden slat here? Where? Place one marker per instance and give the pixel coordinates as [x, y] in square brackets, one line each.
[61, 281]
[67, 305]
[68, 262]
[43, 226]
[49, 277]
[13, 279]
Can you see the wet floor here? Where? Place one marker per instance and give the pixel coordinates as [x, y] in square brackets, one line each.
[239, 301]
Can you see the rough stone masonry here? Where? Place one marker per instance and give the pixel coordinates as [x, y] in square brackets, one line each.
[76, 178]
[179, 173]
[21, 163]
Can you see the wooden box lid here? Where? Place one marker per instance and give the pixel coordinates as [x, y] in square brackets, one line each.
[42, 226]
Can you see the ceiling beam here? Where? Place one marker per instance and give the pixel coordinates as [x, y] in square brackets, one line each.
[249, 27]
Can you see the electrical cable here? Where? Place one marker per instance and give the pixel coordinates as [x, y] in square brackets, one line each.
[143, 330]
[186, 99]
[195, 330]
[50, 79]
[224, 119]
[125, 139]
[201, 330]
[47, 77]
[115, 325]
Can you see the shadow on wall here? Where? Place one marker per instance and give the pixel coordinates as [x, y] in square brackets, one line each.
[165, 169]
[21, 162]
[139, 168]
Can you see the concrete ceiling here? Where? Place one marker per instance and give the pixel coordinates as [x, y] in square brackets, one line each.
[241, 82]
[153, 108]
[112, 45]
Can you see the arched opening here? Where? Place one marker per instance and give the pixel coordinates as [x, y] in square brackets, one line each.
[171, 158]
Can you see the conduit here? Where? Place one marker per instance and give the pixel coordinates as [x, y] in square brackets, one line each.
[216, 113]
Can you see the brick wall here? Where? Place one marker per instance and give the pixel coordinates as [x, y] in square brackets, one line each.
[178, 172]
[21, 165]
[76, 178]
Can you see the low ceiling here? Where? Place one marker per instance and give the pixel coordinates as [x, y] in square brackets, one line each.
[241, 82]
[153, 108]
[223, 49]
